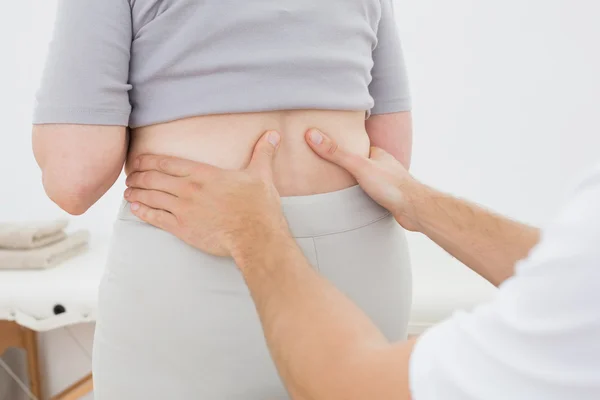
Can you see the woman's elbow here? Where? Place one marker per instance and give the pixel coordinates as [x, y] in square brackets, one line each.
[73, 205]
[79, 163]
[72, 195]
[76, 189]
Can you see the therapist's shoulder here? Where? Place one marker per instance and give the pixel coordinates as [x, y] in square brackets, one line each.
[538, 339]
[572, 236]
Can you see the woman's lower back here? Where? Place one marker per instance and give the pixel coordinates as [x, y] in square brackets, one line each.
[175, 323]
[227, 141]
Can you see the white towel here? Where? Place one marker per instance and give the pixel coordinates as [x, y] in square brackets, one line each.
[47, 256]
[31, 235]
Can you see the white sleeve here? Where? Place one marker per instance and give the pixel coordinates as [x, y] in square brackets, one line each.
[540, 338]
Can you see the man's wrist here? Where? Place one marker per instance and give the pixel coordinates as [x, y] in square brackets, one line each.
[416, 198]
[250, 249]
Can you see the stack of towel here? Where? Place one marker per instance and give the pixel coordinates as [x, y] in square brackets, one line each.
[39, 245]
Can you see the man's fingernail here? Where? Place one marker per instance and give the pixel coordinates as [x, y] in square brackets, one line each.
[127, 192]
[135, 206]
[274, 138]
[316, 137]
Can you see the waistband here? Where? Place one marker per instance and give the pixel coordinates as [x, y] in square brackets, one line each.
[320, 214]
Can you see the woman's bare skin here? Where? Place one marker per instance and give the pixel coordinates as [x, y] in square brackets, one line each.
[81, 162]
[227, 141]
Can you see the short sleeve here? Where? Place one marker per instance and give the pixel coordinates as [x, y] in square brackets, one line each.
[389, 86]
[85, 79]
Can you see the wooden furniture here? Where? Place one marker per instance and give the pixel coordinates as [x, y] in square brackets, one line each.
[77, 390]
[13, 335]
[34, 301]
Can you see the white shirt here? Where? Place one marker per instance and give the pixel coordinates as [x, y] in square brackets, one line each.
[540, 338]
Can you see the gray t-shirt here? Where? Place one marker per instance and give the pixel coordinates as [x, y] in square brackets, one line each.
[141, 62]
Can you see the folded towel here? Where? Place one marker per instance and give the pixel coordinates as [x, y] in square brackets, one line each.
[32, 234]
[47, 256]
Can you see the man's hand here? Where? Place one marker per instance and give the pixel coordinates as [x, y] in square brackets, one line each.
[220, 212]
[381, 176]
[487, 243]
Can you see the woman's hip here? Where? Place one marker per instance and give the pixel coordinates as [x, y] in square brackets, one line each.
[355, 244]
[365, 255]
[162, 301]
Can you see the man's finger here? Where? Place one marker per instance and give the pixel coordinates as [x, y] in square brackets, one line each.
[330, 151]
[159, 218]
[264, 153]
[155, 180]
[169, 165]
[152, 198]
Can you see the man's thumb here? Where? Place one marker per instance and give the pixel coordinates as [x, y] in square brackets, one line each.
[264, 152]
[329, 150]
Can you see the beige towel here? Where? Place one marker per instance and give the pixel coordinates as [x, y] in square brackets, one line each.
[32, 234]
[47, 256]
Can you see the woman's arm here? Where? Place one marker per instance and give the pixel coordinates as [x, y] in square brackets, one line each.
[82, 106]
[392, 133]
[79, 163]
[390, 124]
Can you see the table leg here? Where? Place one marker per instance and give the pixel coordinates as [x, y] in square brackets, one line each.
[10, 336]
[77, 390]
[30, 344]
[13, 335]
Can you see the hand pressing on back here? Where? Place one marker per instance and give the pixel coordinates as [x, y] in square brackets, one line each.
[220, 212]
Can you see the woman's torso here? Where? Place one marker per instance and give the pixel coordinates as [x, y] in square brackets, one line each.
[203, 79]
[227, 141]
[213, 68]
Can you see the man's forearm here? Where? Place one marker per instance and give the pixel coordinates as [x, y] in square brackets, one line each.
[323, 345]
[487, 243]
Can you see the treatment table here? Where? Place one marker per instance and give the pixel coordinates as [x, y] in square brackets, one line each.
[39, 301]
[35, 301]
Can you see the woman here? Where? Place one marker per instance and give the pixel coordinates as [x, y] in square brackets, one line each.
[203, 80]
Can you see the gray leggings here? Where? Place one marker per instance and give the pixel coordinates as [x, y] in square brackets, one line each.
[175, 323]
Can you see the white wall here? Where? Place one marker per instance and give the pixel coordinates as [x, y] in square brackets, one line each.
[506, 98]
[506, 102]
[25, 31]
